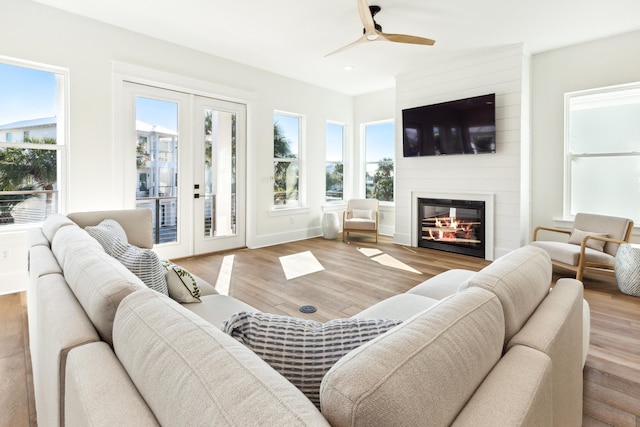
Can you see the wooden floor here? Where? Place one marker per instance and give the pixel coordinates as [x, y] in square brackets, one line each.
[17, 407]
[355, 276]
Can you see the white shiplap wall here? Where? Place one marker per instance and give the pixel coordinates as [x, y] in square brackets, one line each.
[505, 174]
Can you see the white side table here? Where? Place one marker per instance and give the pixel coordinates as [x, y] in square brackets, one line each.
[627, 268]
[330, 225]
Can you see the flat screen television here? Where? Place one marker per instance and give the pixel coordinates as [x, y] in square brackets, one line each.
[464, 126]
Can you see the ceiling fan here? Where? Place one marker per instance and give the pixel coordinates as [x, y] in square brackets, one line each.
[373, 31]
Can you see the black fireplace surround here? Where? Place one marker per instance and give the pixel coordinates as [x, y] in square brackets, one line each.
[452, 225]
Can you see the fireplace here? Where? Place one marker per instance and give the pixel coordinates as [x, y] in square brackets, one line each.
[452, 225]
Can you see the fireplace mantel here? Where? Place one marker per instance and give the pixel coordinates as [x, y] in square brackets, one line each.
[487, 198]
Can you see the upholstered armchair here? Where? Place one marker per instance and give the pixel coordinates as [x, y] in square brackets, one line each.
[361, 216]
[592, 243]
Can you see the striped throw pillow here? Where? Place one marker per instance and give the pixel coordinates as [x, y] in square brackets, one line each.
[303, 350]
[106, 233]
[144, 263]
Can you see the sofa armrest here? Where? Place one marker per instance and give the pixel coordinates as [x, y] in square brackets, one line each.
[61, 324]
[556, 329]
[517, 392]
[98, 391]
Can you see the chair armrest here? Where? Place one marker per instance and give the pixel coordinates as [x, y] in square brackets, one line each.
[602, 238]
[555, 230]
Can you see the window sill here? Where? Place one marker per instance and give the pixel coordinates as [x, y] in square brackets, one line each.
[298, 210]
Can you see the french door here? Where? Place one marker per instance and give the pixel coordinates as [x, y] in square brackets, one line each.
[189, 167]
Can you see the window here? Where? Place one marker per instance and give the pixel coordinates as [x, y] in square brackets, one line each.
[287, 132]
[334, 162]
[31, 151]
[379, 155]
[602, 151]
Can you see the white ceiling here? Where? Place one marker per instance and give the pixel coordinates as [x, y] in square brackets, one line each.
[292, 37]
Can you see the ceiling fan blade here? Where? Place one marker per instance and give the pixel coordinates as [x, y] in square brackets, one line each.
[366, 17]
[403, 38]
[360, 40]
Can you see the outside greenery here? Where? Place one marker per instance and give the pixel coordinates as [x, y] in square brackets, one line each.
[285, 168]
[24, 171]
[382, 188]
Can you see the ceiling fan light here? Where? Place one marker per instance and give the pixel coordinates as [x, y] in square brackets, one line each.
[372, 37]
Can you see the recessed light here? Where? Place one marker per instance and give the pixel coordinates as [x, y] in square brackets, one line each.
[348, 67]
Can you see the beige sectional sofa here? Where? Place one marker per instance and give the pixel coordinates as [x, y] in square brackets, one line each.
[495, 347]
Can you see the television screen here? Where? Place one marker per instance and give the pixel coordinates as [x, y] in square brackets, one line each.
[464, 126]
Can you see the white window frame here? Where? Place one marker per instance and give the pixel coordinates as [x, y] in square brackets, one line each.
[343, 161]
[363, 185]
[301, 206]
[62, 126]
[568, 209]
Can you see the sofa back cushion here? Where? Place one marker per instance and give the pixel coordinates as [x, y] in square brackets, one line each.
[191, 373]
[98, 280]
[521, 280]
[423, 371]
[53, 223]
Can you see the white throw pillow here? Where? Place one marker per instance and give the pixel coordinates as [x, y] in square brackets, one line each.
[362, 213]
[577, 236]
[182, 285]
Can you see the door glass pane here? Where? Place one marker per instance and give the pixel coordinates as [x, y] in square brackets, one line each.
[219, 173]
[157, 165]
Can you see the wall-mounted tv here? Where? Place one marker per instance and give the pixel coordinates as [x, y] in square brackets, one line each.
[464, 126]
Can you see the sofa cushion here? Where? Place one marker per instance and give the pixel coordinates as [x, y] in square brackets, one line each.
[401, 307]
[200, 375]
[443, 284]
[67, 238]
[216, 309]
[521, 280]
[99, 282]
[53, 223]
[422, 372]
[303, 350]
[98, 391]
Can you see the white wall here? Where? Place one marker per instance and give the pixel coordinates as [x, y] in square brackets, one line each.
[88, 49]
[501, 71]
[600, 63]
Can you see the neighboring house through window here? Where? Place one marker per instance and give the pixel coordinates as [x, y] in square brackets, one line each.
[602, 151]
[287, 139]
[379, 160]
[31, 166]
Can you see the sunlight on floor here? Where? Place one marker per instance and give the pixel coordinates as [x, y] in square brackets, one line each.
[224, 275]
[300, 264]
[386, 260]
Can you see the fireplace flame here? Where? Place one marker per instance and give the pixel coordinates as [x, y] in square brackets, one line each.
[449, 229]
